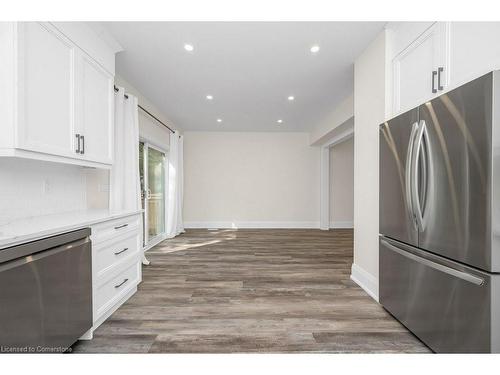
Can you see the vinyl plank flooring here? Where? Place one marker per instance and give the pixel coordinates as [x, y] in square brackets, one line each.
[251, 291]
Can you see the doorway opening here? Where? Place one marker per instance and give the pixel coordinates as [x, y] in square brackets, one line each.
[341, 181]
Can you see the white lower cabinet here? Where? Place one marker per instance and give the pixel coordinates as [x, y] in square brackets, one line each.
[116, 265]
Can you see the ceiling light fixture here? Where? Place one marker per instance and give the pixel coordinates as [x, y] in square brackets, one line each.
[280, 121]
[188, 47]
[315, 48]
[219, 120]
[291, 98]
[209, 97]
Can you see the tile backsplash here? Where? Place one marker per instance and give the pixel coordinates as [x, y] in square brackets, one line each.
[32, 188]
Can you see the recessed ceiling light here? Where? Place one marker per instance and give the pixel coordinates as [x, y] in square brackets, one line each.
[291, 97]
[188, 47]
[209, 97]
[280, 121]
[219, 120]
[315, 48]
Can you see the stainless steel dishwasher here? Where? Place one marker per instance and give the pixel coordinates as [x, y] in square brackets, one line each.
[46, 293]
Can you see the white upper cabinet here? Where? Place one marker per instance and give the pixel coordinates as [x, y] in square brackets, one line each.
[429, 60]
[56, 101]
[95, 117]
[45, 90]
[420, 71]
[474, 50]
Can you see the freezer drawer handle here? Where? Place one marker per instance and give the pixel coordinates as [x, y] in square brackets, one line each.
[439, 267]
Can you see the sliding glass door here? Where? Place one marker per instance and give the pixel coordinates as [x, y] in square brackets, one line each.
[152, 162]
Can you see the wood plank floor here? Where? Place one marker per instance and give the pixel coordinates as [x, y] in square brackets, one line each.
[268, 291]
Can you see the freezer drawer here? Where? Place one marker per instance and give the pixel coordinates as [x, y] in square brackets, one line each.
[450, 307]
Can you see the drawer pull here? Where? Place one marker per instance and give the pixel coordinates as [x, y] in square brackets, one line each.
[122, 251]
[121, 226]
[123, 282]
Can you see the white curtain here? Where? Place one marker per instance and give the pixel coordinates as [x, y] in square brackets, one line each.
[124, 176]
[175, 183]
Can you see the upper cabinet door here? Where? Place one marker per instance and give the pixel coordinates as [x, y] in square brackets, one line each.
[95, 111]
[474, 50]
[420, 71]
[45, 91]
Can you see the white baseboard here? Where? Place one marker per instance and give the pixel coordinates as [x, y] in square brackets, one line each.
[342, 224]
[365, 280]
[252, 224]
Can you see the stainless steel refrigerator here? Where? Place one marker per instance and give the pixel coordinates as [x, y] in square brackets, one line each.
[440, 218]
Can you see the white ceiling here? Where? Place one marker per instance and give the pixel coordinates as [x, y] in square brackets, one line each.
[250, 68]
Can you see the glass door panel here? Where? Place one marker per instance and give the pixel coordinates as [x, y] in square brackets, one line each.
[155, 194]
[152, 176]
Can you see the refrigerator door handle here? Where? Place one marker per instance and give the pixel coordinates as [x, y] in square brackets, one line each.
[408, 173]
[417, 208]
[438, 267]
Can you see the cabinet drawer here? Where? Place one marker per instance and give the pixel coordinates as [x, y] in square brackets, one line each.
[115, 251]
[110, 229]
[110, 291]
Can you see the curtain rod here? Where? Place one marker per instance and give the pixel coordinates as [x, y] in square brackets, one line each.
[149, 113]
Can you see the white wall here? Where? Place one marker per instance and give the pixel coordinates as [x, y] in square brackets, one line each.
[370, 73]
[250, 180]
[342, 184]
[31, 188]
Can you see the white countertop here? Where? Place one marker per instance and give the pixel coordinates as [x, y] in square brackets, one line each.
[33, 228]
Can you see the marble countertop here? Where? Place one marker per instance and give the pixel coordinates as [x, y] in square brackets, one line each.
[27, 229]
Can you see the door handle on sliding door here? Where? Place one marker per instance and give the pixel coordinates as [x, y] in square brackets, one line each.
[408, 174]
[422, 131]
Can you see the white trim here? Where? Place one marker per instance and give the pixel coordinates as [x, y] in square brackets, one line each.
[365, 280]
[344, 136]
[251, 224]
[324, 214]
[342, 224]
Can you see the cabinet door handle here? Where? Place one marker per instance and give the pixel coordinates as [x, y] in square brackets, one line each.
[83, 144]
[123, 282]
[121, 226]
[122, 251]
[77, 143]
[434, 74]
[440, 70]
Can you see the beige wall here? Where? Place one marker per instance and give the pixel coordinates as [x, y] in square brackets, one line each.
[250, 180]
[342, 184]
[369, 112]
